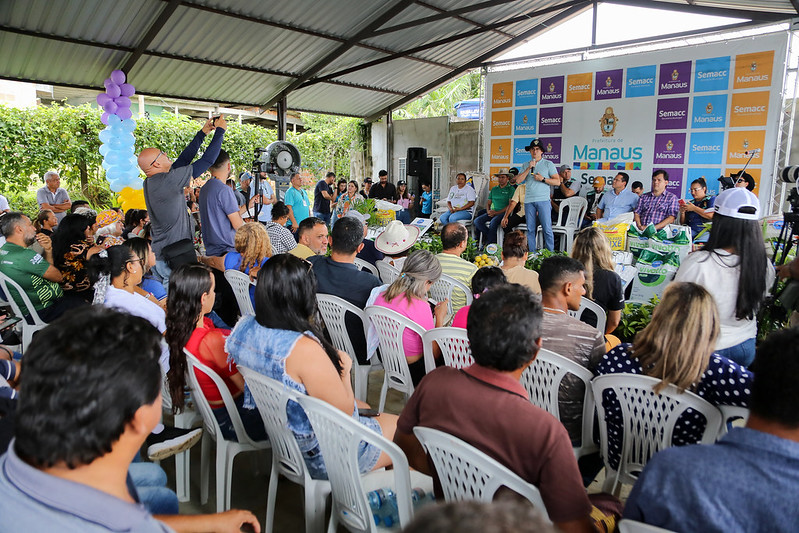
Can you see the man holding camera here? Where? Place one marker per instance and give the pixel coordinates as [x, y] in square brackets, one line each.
[171, 223]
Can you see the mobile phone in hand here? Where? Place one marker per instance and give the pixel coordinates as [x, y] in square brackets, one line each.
[368, 412]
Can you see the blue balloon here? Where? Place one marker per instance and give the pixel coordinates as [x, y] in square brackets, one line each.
[105, 135]
[106, 165]
[113, 119]
[115, 158]
[114, 173]
[127, 138]
[104, 148]
[129, 125]
[115, 144]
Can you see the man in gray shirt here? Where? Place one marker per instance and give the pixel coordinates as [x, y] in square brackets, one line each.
[163, 193]
[53, 197]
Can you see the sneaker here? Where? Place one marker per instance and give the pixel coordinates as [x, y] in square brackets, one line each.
[171, 441]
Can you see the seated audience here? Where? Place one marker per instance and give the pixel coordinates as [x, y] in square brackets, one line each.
[515, 214]
[618, 200]
[677, 348]
[514, 257]
[659, 206]
[594, 198]
[637, 187]
[563, 285]
[460, 201]
[191, 297]
[369, 252]
[338, 275]
[395, 242]
[747, 480]
[311, 238]
[46, 222]
[602, 284]
[109, 231]
[483, 405]
[134, 227]
[504, 515]
[34, 273]
[408, 297]
[698, 211]
[499, 197]
[73, 246]
[153, 288]
[283, 342]
[279, 235]
[485, 278]
[65, 474]
[253, 248]
[454, 239]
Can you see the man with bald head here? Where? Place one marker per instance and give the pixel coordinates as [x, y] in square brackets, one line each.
[163, 193]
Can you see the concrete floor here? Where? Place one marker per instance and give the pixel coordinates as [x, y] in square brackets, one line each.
[251, 476]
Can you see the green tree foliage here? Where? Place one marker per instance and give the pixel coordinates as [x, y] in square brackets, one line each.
[441, 102]
[327, 142]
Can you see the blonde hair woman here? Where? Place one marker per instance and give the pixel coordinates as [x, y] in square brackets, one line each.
[408, 296]
[677, 348]
[602, 284]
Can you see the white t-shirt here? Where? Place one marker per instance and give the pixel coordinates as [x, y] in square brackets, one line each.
[460, 197]
[265, 214]
[718, 272]
[3, 204]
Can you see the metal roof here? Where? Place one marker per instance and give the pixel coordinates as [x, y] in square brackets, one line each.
[351, 57]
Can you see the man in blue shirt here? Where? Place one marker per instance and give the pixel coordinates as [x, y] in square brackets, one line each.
[618, 200]
[538, 177]
[297, 202]
[748, 480]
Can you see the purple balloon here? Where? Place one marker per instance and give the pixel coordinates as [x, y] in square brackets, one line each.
[122, 101]
[127, 89]
[107, 82]
[124, 113]
[104, 119]
[113, 90]
[118, 77]
[102, 98]
[110, 107]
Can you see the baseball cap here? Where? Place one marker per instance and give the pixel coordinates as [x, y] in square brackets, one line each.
[536, 143]
[599, 180]
[513, 171]
[563, 168]
[245, 176]
[738, 203]
[367, 180]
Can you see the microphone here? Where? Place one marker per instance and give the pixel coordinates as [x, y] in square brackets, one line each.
[752, 151]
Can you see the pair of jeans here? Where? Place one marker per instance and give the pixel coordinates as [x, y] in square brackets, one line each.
[150, 482]
[539, 213]
[251, 418]
[743, 353]
[458, 216]
[162, 272]
[322, 216]
[488, 226]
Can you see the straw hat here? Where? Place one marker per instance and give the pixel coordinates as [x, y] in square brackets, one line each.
[396, 238]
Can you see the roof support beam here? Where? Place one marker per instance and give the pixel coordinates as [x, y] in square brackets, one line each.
[463, 19]
[157, 26]
[575, 9]
[795, 4]
[443, 14]
[370, 28]
[763, 16]
[440, 42]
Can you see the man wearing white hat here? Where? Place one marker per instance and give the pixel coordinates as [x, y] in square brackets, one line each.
[395, 242]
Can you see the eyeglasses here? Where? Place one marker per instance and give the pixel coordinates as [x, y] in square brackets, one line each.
[696, 189]
[136, 260]
[156, 159]
[310, 265]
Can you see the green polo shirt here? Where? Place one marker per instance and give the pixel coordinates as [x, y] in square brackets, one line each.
[500, 197]
[27, 268]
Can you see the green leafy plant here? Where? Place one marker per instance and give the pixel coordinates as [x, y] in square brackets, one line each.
[634, 318]
[534, 263]
[367, 207]
[429, 242]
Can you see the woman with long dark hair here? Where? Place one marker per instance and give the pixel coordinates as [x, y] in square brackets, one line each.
[283, 341]
[73, 246]
[191, 297]
[152, 288]
[602, 284]
[734, 267]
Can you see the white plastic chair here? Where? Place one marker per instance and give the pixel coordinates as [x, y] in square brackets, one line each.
[570, 224]
[454, 343]
[272, 398]
[590, 305]
[648, 421]
[333, 310]
[443, 288]
[28, 327]
[388, 273]
[730, 413]
[466, 473]
[340, 437]
[361, 264]
[542, 381]
[390, 326]
[226, 450]
[633, 526]
[240, 282]
[186, 419]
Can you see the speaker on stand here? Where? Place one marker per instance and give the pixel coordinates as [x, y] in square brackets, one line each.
[418, 171]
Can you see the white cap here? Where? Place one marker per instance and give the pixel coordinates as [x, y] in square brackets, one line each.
[730, 202]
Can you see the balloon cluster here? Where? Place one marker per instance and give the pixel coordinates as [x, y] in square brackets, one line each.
[119, 159]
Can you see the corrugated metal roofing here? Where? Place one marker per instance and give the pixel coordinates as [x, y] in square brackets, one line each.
[352, 57]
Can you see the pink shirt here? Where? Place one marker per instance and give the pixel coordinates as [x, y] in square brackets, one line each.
[419, 311]
[459, 320]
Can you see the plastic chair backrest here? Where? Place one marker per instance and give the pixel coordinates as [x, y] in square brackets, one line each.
[633, 526]
[454, 343]
[272, 398]
[6, 283]
[577, 206]
[390, 326]
[466, 473]
[443, 287]
[730, 413]
[195, 365]
[361, 264]
[333, 310]
[590, 305]
[240, 282]
[648, 418]
[542, 381]
[388, 273]
[340, 438]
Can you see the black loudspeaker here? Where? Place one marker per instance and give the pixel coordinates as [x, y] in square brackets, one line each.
[416, 161]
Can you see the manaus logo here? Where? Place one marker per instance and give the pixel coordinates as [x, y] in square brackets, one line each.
[745, 144]
[608, 122]
[549, 147]
[675, 75]
[608, 82]
[669, 146]
[753, 66]
[524, 119]
[499, 148]
[709, 108]
[552, 87]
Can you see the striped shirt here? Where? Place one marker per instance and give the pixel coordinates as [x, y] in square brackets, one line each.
[461, 270]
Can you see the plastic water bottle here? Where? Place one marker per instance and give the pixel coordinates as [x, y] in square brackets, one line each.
[419, 498]
[383, 503]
